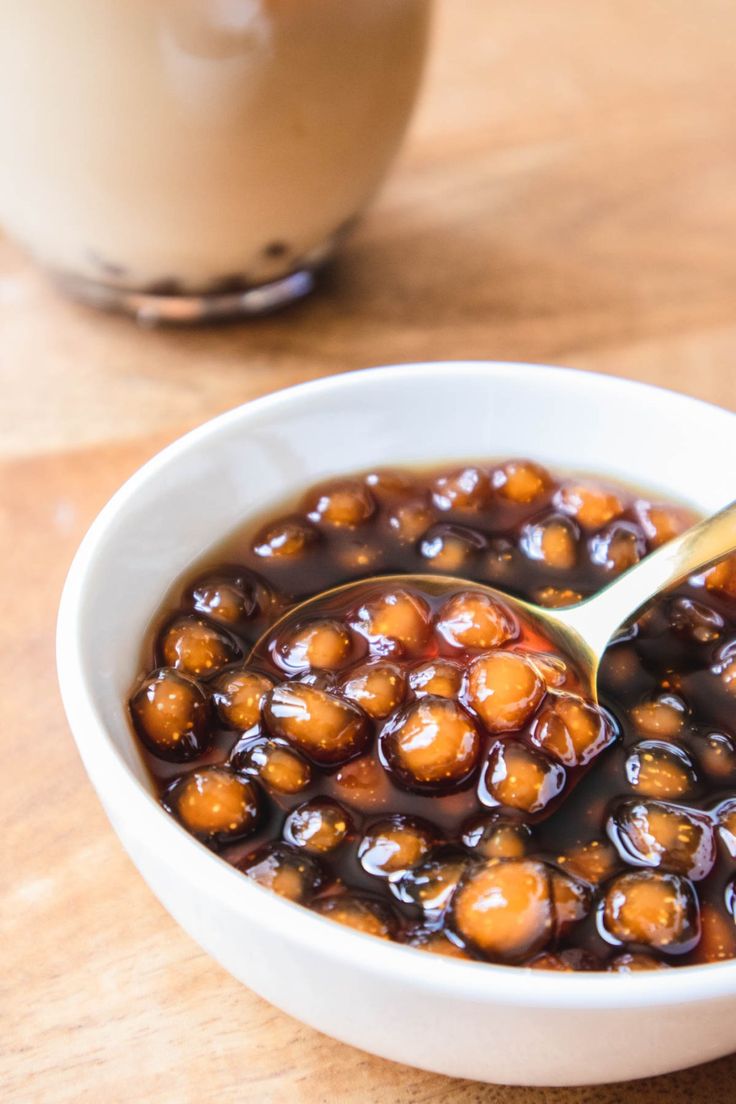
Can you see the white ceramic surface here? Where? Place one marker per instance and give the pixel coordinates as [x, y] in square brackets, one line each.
[473, 1020]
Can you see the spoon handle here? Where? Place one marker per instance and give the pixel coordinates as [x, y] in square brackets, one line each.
[596, 619]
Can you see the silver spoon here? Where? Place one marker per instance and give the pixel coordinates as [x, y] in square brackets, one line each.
[581, 632]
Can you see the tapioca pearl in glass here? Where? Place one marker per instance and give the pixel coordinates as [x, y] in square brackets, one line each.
[617, 547]
[172, 716]
[196, 647]
[634, 962]
[494, 836]
[325, 727]
[440, 678]
[363, 784]
[409, 521]
[359, 913]
[342, 504]
[431, 885]
[435, 942]
[474, 621]
[276, 766]
[518, 777]
[395, 621]
[572, 730]
[715, 752]
[552, 597]
[662, 523]
[388, 485]
[239, 695]
[464, 489]
[391, 846]
[721, 579]
[287, 871]
[378, 687]
[552, 541]
[451, 549]
[225, 599]
[431, 745]
[553, 669]
[694, 621]
[657, 769]
[521, 481]
[572, 900]
[215, 804]
[665, 836]
[504, 689]
[595, 861]
[663, 717]
[504, 909]
[717, 941]
[651, 909]
[321, 644]
[319, 826]
[725, 818]
[592, 506]
[287, 539]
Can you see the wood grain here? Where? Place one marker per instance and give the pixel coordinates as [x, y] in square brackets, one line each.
[566, 195]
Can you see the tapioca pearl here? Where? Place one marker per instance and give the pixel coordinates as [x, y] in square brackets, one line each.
[652, 909]
[285, 870]
[387, 485]
[716, 755]
[521, 481]
[394, 845]
[342, 504]
[431, 885]
[359, 556]
[552, 668]
[663, 717]
[694, 620]
[359, 913]
[322, 644]
[450, 548]
[378, 687]
[436, 942]
[552, 597]
[239, 695]
[497, 564]
[591, 506]
[571, 960]
[475, 621]
[517, 777]
[278, 767]
[722, 578]
[363, 783]
[410, 520]
[572, 730]
[215, 804]
[669, 837]
[617, 547]
[504, 909]
[594, 861]
[440, 678]
[725, 666]
[319, 826]
[718, 930]
[394, 620]
[431, 744]
[285, 539]
[495, 836]
[504, 689]
[326, 728]
[171, 714]
[463, 489]
[725, 815]
[224, 599]
[660, 770]
[633, 962]
[662, 523]
[572, 900]
[552, 541]
[195, 647]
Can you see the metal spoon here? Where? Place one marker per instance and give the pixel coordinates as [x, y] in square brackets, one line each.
[581, 632]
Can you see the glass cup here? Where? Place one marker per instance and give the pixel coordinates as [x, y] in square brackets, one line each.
[193, 159]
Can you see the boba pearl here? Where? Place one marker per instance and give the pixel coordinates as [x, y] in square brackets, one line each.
[223, 599]
[195, 647]
[662, 523]
[694, 620]
[378, 688]
[475, 621]
[617, 547]
[594, 861]
[725, 815]
[388, 486]
[285, 870]
[521, 481]
[571, 900]
[363, 782]
[725, 666]
[717, 930]
[552, 668]
[431, 884]
[394, 845]
[286, 539]
[410, 520]
[716, 753]
[328, 729]
[591, 506]
[323, 644]
[663, 717]
[722, 577]
[464, 489]
[660, 770]
[239, 697]
[343, 504]
[518, 777]
[504, 910]
[278, 767]
[435, 942]
[572, 730]
[670, 837]
[432, 745]
[215, 805]
[450, 548]
[318, 826]
[360, 913]
[504, 689]
[572, 960]
[652, 909]
[497, 837]
[633, 963]
[553, 597]
[171, 714]
[394, 621]
[440, 678]
[553, 542]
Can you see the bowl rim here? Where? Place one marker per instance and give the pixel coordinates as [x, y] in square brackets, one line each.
[191, 861]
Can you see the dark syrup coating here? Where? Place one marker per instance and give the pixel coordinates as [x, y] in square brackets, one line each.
[598, 858]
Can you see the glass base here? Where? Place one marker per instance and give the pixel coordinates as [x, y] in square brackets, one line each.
[151, 309]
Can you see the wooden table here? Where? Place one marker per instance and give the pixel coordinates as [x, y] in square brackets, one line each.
[566, 195]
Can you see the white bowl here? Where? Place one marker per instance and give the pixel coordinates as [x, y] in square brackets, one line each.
[492, 1023]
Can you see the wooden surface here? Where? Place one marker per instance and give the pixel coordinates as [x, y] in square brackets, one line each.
[566, 195]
